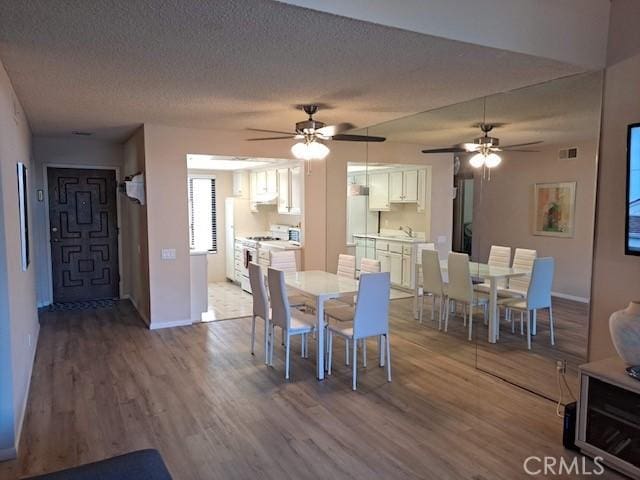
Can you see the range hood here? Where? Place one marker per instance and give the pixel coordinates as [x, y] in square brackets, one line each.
[266, 199]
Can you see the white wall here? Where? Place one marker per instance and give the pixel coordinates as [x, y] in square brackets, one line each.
[18, 316]
[572, 31]
[62, 151]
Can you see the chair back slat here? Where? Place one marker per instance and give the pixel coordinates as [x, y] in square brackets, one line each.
[431, 272]
[369, 265]
[460, 286]
[500, 257]
[539, 291]
[346, 266]
[259, 291]
[371, 316]
[522, 259]
[284, 261]
[280, 309]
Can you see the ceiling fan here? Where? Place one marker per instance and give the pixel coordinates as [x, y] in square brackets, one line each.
[313, 133]
[485, 148]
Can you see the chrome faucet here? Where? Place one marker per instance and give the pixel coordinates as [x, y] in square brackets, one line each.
[407, 230]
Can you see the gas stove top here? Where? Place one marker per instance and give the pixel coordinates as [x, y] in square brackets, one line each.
[261, 239]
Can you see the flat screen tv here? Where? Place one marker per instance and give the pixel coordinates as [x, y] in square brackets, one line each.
[632, 240]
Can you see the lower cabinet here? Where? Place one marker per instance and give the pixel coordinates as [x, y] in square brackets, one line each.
[385, 261]
[407, 271]
[395, 267]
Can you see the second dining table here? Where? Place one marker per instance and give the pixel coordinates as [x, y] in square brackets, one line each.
[320, 286]
[486, 273]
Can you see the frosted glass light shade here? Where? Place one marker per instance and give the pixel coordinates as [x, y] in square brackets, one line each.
[492, 160]
[477, 160]
[310, 151]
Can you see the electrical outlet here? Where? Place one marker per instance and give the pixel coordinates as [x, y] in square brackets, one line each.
[561, 366]
[168, 254]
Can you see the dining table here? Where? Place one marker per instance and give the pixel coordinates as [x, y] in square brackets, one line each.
[320, 286]
[479, 271]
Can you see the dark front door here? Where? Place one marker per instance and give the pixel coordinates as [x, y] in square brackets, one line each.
[84, 234]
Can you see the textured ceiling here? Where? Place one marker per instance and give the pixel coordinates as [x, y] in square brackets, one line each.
[109, 65]
[560, 111]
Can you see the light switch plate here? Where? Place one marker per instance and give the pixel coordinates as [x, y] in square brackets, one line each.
[168, 254]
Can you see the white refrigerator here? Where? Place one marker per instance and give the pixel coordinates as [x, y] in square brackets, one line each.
[359, 218]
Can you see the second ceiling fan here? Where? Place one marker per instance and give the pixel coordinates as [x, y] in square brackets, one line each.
[485, 148]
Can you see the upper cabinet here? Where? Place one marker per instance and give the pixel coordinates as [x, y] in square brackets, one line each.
[398, 186]
[379, 191]
[403, 186]
[289, 190]
[240, 184]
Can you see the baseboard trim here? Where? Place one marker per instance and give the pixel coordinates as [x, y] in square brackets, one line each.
[570, 297]
[23, 410]
[8, 454]
[177, 323]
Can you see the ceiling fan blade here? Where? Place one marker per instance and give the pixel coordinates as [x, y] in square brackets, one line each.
[270, 131]
[516, 145]
[269, 138]
[516, 150]
[445, 150]
[333, 130]
[357, 138]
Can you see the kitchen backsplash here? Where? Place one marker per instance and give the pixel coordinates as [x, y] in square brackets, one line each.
[402, 215]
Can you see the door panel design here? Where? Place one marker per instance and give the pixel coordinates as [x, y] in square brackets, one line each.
[84, 234]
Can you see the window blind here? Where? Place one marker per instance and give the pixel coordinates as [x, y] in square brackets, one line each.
[203, 231]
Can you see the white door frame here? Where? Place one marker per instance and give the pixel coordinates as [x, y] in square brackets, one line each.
[49, 300]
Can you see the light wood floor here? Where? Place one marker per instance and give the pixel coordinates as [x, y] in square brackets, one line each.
[104, 385]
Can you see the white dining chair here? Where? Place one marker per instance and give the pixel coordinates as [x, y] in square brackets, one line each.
[292, 322]
[498, 257]
[432, 284]
[285, 261]
[371, 319]
[460, 290]
[343, 311]
[517, 287]
[260, 307]
[346, 266]
[538, 297]
[369, 265]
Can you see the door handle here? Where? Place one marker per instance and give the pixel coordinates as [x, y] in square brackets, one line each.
[55, 240]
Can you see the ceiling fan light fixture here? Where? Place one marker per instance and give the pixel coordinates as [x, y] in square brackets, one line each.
[310, 150]
[477, 160]
[492, 160]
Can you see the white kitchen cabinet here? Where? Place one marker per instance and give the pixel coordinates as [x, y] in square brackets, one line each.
[365, 248]
[272, 181]
[379, 191]
[290, 190]
[240, 184]
[385, 260]
[410, 185]
[424, 190]
[407, 271]
[283, 190]
[403, 186]
[396, 187]
[395, 267]
[295, 190]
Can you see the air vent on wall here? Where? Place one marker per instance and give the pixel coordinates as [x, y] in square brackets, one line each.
[570, 153]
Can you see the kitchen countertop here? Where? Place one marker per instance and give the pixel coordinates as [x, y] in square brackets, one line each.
[391, 239]
[280, 244]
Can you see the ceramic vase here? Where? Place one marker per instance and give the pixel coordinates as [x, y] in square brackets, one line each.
[624, 326]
